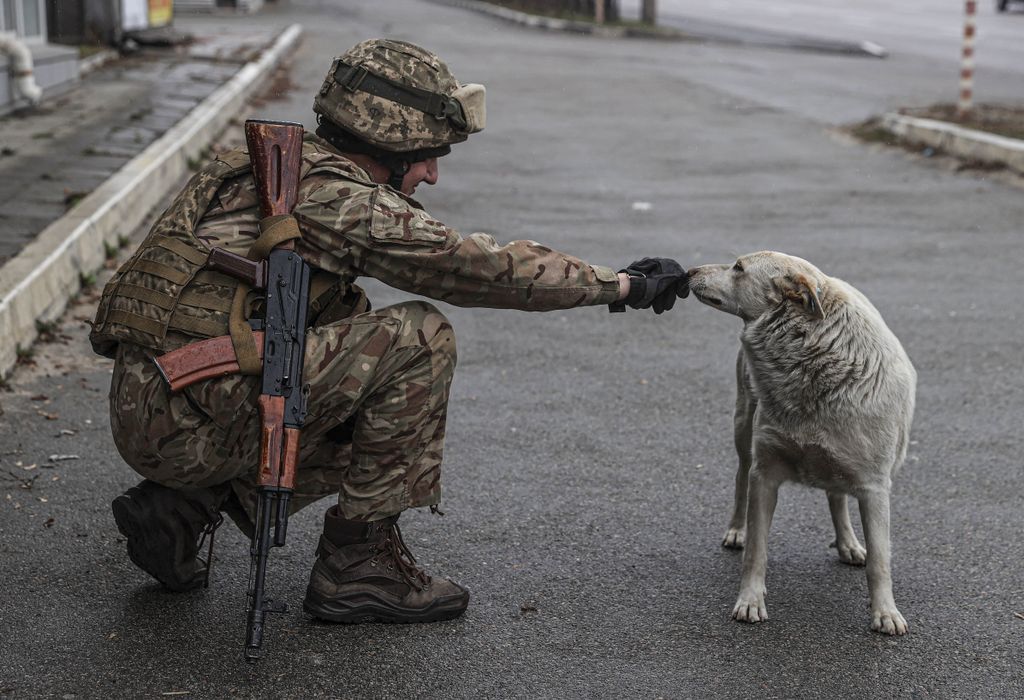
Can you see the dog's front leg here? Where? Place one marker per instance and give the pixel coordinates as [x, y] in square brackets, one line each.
[762, 495]
[874, 515]
[847, 544]
[743, 431]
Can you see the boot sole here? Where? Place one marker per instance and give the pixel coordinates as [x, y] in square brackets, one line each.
[355, 613]
[143, 541]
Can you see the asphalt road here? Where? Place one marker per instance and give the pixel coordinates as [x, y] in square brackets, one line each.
[911, 27]
[589, 456]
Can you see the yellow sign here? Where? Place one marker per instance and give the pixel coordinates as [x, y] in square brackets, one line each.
[160, 12]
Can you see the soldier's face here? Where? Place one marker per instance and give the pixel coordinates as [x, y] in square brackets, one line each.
[420, 171]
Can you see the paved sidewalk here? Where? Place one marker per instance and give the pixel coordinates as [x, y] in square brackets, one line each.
[52, 156]
[79, 173]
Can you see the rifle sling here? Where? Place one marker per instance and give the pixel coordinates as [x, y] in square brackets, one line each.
[274, 230]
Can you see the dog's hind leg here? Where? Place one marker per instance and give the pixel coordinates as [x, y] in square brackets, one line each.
[846, 543]
[743, 430]
[762, 496]
[874, 515]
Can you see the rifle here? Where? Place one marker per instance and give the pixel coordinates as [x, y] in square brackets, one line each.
[275, 150]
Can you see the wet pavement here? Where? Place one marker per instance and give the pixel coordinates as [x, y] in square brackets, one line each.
[53, 155]
[589, 457]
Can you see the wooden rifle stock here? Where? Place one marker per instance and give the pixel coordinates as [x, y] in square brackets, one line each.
[275, 150]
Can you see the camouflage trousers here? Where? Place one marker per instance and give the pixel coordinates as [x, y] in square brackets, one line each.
[374, 432]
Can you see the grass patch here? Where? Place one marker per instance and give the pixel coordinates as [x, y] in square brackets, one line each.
[24, 355]
[872, 131]
[87, 280]
[1002, 120]
[73, 197]
[47, 330]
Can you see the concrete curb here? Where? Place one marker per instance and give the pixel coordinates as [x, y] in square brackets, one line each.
[969, 144]
[37, 283]
[565, 25]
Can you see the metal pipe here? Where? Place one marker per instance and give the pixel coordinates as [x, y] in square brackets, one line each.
[21, 62]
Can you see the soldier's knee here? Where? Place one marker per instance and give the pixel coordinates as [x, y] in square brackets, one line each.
[425, 325]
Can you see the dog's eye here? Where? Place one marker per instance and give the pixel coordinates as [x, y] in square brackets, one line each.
[738, 266]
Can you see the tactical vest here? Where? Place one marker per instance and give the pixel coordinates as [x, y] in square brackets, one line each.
[162, 296]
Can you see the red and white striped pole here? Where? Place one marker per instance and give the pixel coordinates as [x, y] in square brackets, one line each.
[967, 63]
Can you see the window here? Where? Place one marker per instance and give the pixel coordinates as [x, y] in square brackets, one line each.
[23, 17]
[7, 19]
[30, 24]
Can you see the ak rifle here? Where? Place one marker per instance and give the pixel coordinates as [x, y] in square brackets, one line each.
[275, 150]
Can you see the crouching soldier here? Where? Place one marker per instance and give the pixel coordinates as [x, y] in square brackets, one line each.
[378, 380]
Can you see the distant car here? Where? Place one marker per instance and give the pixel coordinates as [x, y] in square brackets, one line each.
[1001, 5]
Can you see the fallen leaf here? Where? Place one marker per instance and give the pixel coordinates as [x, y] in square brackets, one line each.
[49, 522]
[62, 458]
[65, 431]
[43, 500]
[112, 635]
[48, 416]
[39, 397]
[1019, 616]
[30, 467]
[176, 692]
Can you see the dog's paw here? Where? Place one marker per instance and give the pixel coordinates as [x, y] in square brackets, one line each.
[851, 552]
[750, 607]
[734, 538]
[888, 621]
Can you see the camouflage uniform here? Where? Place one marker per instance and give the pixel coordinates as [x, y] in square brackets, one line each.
[378, 380]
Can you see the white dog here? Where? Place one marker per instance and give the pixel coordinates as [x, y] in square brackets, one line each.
[825, 397]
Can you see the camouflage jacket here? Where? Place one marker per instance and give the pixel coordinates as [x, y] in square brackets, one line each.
[352, 227]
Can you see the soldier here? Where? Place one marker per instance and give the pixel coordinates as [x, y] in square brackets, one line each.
[378, 379]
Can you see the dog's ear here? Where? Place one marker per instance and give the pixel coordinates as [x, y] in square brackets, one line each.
[802, 290]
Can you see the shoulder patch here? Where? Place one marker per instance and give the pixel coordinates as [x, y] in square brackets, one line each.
[394, 220]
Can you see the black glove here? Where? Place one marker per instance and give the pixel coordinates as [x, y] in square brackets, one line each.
[655, 283]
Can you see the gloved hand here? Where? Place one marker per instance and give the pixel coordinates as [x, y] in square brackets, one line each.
[655, 283]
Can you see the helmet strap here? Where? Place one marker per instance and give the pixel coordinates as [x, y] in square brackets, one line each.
[398, 167]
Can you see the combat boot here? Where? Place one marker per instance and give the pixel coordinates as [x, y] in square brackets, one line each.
[165, 529]
[365, 573]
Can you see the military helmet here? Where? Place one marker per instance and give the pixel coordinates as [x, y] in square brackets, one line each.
[398, 97]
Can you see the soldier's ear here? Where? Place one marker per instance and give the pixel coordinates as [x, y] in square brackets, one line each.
[802, 291]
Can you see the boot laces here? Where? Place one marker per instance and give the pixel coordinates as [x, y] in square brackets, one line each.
[405, 561]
